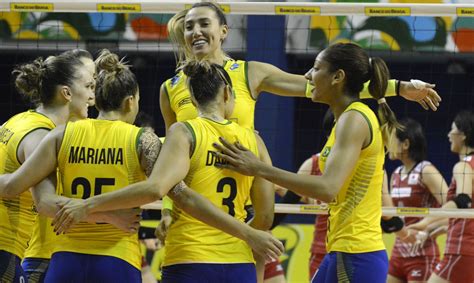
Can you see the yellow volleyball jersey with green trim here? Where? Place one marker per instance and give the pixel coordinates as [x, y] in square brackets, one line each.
[190, 240]
[97, 157]
[43, 237]
[17, 215]
[354, 215]
[180, 98]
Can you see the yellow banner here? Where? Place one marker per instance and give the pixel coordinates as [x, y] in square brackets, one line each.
[465, 12]
[410, 210]
[225, 8]
[297, 10]
[118, 8]
[313, 208]
[387, 11]
[31, 7]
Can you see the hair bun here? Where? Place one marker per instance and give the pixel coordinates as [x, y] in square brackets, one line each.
[109, 62]
[28, 79]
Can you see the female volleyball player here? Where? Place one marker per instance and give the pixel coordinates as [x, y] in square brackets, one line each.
[96, 156]
[196, 251]
[417, 183]
[61, 87]
[458, 259]
[199, 33]
[351, 162]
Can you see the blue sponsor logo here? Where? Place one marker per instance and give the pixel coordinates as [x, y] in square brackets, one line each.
[175, 80]
[234, 66]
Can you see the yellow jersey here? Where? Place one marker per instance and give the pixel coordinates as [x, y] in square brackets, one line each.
[190, 240]
[354, 215]
[244, 111]
[17, 215]
[97, 157]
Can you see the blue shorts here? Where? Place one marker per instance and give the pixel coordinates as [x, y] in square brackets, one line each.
[76, 268]
[209, 273]
[10, 268]
[355, 268]
[35, 269]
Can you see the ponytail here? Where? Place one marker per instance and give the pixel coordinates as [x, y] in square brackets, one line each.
[379, 75]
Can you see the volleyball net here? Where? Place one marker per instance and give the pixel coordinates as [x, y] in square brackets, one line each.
[430, 41]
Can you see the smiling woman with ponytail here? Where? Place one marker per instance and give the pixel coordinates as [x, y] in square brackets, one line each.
[351, 163]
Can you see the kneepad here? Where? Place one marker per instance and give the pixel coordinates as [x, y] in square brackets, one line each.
[394, 224]
[463, 201]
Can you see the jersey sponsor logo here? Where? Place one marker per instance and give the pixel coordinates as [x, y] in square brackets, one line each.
[212, 159]
[403, 192]
[5, 135]
[416, 273]
[184, 101]
[234, 66]
[326, 151]
[175, 80]
[413, 178]
[89, 155]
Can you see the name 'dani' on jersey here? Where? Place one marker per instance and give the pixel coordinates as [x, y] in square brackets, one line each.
[89, 155]
[212, 159]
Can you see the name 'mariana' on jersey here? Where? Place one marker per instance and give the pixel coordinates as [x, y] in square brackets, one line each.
[212, 159]
[89, 155]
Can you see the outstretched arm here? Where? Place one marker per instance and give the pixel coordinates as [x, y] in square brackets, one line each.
[40, 161]
[268, 78]
[163, 177]
[352, 131]
[48, 202]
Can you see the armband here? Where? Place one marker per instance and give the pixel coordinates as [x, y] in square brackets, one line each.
[397, 88]
[167, 203]
[463, 201]
[309, 90]
[394, 224]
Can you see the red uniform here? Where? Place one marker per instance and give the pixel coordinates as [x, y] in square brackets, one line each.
[409, 191]
[318, 247]
[458, 261]
[273, 269]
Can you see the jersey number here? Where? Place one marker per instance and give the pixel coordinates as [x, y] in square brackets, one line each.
[86, 186]
[228, 201]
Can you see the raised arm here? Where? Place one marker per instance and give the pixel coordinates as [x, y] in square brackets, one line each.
[268, 78]
[352, 131]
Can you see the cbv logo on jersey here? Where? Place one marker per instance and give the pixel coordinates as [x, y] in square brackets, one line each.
[413, 178]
